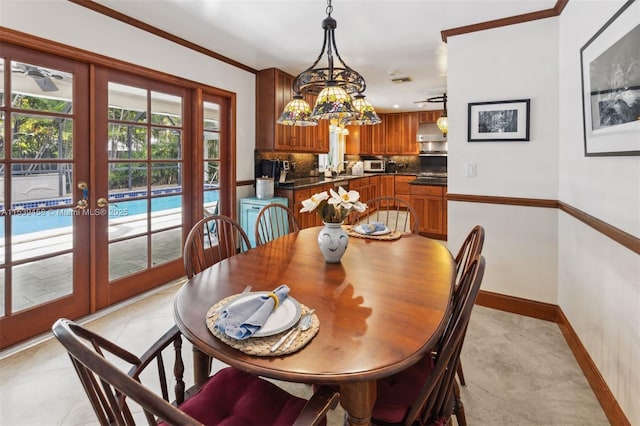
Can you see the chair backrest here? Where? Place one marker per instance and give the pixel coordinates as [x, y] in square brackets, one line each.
[109, 387]
[471, 248]
[275, 220]
[435, 401]
[394, 212]
[212, 239]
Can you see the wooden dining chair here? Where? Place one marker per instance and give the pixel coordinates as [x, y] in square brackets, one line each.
[112, 379]
[471, 248]
[425, 393]
[395, 213]
[212, 239]
[273, 221]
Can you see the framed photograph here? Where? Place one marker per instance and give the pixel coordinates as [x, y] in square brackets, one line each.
[611, 86]
[499, 121]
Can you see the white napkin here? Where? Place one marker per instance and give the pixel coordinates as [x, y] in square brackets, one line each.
[240, 320]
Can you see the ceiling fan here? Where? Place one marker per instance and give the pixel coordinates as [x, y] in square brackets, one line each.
[41, 76]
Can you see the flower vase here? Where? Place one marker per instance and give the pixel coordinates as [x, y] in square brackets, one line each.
[333, 241]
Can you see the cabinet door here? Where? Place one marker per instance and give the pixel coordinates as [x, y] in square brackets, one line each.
[393, 133]
[386, 186]
[377, 136]
[429, 116]
[248, 217]
[429, 211]
[408, 144]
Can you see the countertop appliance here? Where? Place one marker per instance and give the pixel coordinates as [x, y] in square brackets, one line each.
[270, 169]
[374, 165]
[391, 167]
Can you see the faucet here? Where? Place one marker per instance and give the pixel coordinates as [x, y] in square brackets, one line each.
[344, 169]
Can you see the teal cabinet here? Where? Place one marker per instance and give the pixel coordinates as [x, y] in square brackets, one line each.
[249, 210]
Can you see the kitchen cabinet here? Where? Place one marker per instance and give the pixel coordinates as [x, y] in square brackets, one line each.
[402, 188]
[429, 203]
[249, 210]
[366, 140]
[400, 133]
[273, 92]
[386, 186]
[429, 116]
[297, 196]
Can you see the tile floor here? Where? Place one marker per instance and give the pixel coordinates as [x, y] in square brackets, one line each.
[519, 371]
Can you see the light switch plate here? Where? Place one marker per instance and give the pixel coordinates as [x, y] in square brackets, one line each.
[471, 170]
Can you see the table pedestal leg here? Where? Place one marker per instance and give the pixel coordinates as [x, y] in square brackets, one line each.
[201, 366]
[358, 399]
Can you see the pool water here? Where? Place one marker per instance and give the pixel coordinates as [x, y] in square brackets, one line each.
[34, 220]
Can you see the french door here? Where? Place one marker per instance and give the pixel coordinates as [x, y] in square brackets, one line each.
[102, 173]
[141, 183]
[45, 249]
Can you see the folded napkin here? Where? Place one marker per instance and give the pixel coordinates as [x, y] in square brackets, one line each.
[240, 320]
[370, 228]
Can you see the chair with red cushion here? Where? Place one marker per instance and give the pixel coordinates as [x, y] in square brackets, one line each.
[229, 397]
[425, 392]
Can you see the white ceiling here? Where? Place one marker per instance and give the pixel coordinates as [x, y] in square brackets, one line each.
[379, 39]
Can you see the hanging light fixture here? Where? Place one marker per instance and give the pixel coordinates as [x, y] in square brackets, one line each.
[297, 113]
[365, 113]
[333, 85]
[443, 122]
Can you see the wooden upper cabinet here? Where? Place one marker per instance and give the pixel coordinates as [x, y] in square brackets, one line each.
[400, 131]
[273, 92]
[368, 139]
[429, 116]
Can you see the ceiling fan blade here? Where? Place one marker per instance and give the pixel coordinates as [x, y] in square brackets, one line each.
[45, 83]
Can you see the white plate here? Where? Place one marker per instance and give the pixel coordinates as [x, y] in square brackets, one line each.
[360, 230]
[283, 318]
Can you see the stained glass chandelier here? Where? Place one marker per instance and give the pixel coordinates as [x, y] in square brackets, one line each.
[333, 84]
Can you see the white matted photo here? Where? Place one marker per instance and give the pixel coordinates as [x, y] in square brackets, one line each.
[610, 63]
[501, 121]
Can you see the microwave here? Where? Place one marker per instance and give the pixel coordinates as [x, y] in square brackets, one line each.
[374, 165]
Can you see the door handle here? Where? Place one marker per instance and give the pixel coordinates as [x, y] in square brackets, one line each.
[102, 202]
[83, 203]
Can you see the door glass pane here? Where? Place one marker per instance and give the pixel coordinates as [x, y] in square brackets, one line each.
[127, 103]
[127, 218]
[166, 212]
[1, 135]
[2, 304]
[41, 89]
[166, 144]
[37, 136]
[127, 180]
[211, 155]
[127, 142]
[41, 281]
[166, 176]
[40, 185]
[166, 246]
[166, 109]
[127, 257]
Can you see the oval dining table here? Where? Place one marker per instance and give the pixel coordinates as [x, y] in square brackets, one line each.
[380, 310]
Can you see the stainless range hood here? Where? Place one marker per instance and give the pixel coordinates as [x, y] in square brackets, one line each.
[431, 140]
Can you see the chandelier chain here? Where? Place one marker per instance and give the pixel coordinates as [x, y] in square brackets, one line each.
[329, 8]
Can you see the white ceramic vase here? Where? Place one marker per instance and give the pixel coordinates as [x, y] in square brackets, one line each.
[333, 242]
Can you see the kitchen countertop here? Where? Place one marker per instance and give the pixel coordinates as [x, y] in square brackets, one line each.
[320, 180]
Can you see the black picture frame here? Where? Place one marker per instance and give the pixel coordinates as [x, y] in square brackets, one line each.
[611, 87]
[499, 121]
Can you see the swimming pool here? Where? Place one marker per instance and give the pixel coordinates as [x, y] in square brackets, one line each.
[34, 219]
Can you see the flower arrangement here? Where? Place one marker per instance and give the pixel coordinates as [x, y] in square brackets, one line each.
[334, 207]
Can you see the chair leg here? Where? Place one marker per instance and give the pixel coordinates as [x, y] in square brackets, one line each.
[460, 374]
[458, 407]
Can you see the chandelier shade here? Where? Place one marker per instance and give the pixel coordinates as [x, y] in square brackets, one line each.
[297, 113]
[365, 113]
[333, 84]
[333, 102]
[443, 121]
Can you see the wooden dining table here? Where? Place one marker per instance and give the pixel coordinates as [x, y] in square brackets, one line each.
[380, 310]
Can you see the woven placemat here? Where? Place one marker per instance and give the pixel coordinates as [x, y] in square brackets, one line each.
[261, 346]
[393, 235]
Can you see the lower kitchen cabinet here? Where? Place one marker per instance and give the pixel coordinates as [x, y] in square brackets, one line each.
[249, 210]
[429, 203]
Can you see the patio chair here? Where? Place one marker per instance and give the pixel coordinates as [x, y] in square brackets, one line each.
[230, 396]
[212, 239]
[395, 213]
[425, 393]
[275, 220]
